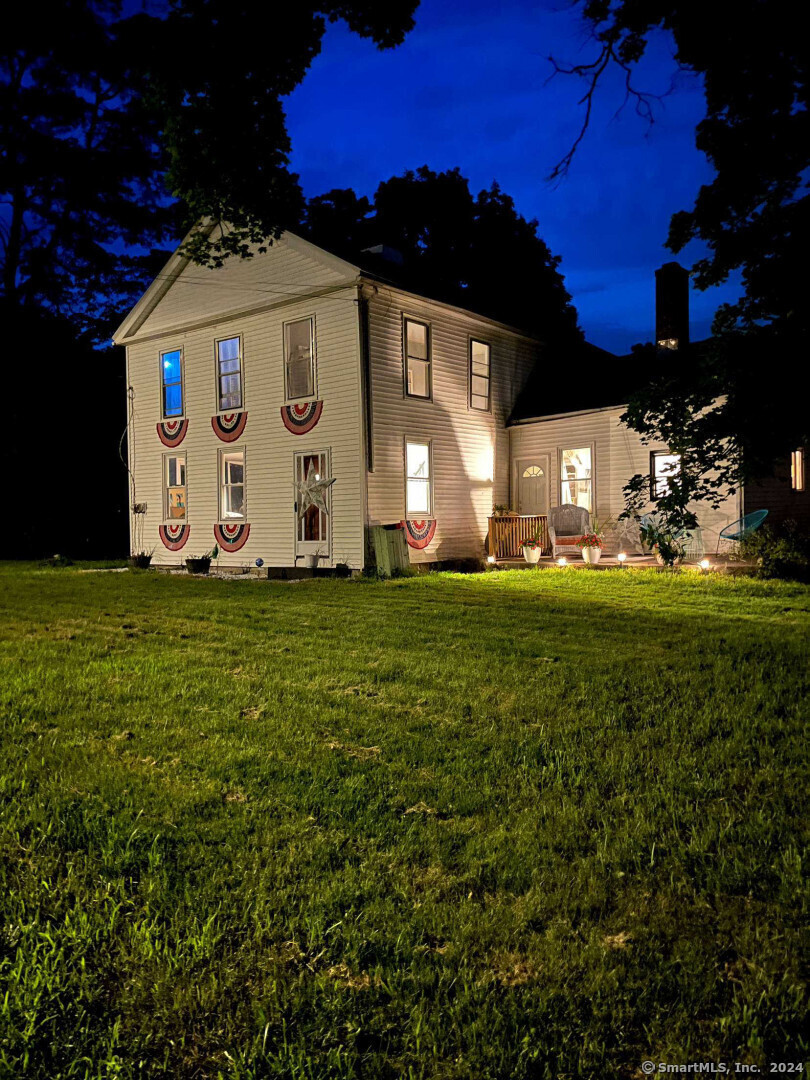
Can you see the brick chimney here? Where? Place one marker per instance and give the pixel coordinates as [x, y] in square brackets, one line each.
[672, 306]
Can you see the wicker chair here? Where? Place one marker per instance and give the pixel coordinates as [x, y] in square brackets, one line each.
[566, 524]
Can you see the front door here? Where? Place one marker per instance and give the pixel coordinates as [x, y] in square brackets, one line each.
[312, 527]
[532, 485]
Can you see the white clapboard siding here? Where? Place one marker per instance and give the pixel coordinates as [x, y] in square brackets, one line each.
[470, 448]
[290, 268]
[269, 447]
[618, 455]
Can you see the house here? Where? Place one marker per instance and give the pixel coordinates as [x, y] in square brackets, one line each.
[295, 368]
[283, 405]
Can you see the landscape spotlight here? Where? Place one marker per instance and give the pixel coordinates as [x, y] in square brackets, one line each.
[621, 557]
[705, 564]
[562, 561]
[491, 559]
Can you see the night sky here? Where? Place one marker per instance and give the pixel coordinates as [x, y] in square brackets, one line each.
[469, 88]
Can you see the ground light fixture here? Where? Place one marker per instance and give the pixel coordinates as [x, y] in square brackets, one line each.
[705, 564]
[622, 556]
[491, 560]
[562, 561]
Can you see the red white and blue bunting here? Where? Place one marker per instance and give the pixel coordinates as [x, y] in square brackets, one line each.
[172, 432]
[299, 419]
[419, 533]
[231, 537]
[229, 426]
[174, 536]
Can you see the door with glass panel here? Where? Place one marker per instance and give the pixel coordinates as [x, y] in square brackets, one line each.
[313, 521]
[532, 485]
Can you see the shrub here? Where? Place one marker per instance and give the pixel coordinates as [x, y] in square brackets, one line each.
[779, 551]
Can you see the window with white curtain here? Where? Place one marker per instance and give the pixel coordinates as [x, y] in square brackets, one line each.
[479, 375]
[231, 485]
[418, 482]
[664, 467]
[417, 359]
[576, 477]
[229, 374]
[299, 359]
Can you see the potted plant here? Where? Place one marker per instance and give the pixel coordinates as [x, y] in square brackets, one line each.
[502, 510]
[141, 560]
[533, 548]
[664, 542]
[591, 543]
[201, 564]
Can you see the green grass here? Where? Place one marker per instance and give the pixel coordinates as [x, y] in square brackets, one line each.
[516, 825]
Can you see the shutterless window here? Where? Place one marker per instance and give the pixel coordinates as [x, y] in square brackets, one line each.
[479, 375]
[417, 359]
[797, 470]
[175, 484]
[299, 359]
[576, 477]
[229, 374]
[232, 484]
[171, 372]
[663, 468]
[418, 501]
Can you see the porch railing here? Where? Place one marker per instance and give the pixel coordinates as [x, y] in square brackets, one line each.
[507, 533]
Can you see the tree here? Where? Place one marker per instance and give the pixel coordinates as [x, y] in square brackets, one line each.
[475, 252]
[752, 217]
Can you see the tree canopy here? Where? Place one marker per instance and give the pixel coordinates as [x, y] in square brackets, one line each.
[752, 217]
[474, 251]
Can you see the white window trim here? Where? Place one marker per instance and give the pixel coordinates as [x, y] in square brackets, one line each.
[577, 446]
[406, 318]
[167, 520]
[229, 337]
[161, 353]
[470, 406]
[221, 454]
[419, 441]
[314, 348]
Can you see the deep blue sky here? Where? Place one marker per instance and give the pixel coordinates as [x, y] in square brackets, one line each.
[468, 88]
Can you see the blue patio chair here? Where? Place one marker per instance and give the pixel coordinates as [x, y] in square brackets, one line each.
[738, 530]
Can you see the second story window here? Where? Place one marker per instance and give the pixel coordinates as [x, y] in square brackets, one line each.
[664, 467]
[175, 481]
[229, 374]
[797, 470]
[231, 485]
[417, 359]
[299, 359]
[479, 376]
[171, 373]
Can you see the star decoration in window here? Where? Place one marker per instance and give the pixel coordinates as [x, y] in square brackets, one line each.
[312, 491]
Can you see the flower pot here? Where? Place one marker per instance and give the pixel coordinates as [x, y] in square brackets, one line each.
[198, 566]
[532, 554]
[659, 558]
[591, 555]
[311, 562]
[141, 561]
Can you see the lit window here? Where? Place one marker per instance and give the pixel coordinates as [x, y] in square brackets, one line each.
[417, 359]
[229, 374]
[479, 375]
[576, 478]
[299, 359]
[171, 373]
[664, 467]
[797, 470]
[232, 485]
[668, 343]
[175, 485]
[418, 501]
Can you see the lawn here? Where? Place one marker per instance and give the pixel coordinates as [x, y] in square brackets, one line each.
[513, 825]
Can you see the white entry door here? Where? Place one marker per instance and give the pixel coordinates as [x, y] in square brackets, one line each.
[532, 484]
[312, 527]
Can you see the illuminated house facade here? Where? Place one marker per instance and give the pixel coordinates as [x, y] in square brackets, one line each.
[250, 384]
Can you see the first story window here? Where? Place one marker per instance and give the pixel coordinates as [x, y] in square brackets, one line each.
[231, 485]
[229, 374]
[479, 375]
[576, 477]
[174, 473]
[171, 374]
[418, 480]
[664, 467]
[417, 359]
[797, 470]
[299, 359]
